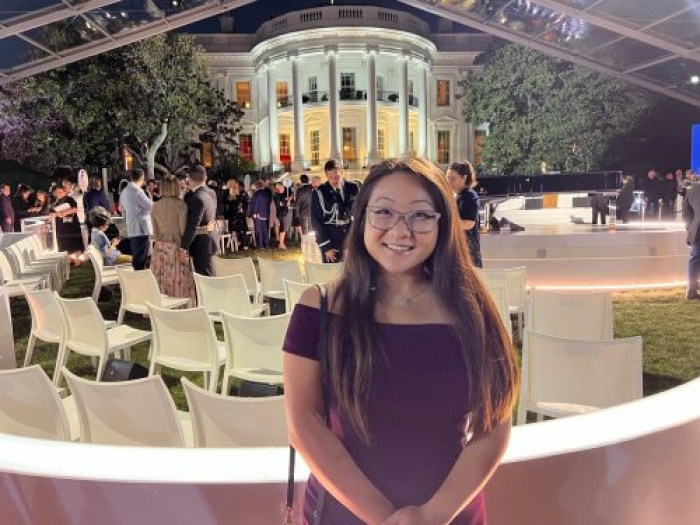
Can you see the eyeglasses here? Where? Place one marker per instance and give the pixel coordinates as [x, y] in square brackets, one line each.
[384, 219]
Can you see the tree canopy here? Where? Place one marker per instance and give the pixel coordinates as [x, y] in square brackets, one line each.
[540, 109]
[153, 97]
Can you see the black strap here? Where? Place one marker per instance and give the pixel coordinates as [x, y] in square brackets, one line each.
[322, 352]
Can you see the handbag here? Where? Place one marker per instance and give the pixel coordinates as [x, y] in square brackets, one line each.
[323, 361]
[121, 370]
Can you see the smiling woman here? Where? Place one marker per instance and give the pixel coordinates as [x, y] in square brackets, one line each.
[409, 310]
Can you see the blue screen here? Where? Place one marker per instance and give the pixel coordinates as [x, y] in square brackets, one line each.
[695, 149]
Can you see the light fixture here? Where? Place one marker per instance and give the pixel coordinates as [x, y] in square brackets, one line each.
[695, 79]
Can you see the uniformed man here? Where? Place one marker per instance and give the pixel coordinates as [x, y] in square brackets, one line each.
[331, 208]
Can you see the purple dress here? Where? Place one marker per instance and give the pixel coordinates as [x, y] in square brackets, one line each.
[415, 416]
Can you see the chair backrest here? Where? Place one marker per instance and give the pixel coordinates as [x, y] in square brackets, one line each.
[222, 225]
[499, 294]
[98, 262]
[48, 320]
[273, 273]
[320, 273]
[7, 270]
[572, 315]
[185, 333]
[243, 266]
[137, 413]
[222, 421]
[292, 293]
[228, 293]
[86, 328]
[255, 343]
[30, 405]
[593, 373]
[138, 286]
[514, 279]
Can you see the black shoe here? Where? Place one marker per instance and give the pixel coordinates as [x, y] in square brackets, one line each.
[692, 296]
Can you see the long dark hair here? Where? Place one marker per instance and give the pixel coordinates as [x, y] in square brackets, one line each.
[465, 170]
[491, 372]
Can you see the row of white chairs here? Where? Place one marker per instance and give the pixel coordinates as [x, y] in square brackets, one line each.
[26, 263]
[137, 413]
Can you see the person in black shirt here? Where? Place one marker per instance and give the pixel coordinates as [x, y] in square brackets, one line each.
[331, 208]
[461, 177]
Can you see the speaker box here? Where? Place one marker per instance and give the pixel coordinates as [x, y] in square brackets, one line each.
[120, 370]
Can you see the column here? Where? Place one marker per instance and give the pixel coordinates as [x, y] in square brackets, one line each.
[403, 105]
[423, 110]
[274, 136]
[334, 149]
[299, 162]
[372, 136]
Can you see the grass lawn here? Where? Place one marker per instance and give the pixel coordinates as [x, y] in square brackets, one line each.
[667, 322]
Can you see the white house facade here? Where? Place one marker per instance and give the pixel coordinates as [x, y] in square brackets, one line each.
[353, 83]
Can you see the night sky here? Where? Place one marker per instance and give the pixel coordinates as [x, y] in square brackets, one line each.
[249, 18]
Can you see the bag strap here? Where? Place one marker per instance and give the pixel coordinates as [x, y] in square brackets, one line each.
[322, 352]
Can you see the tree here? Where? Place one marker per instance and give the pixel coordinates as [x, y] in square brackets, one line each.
[152, 97]
[541, 109]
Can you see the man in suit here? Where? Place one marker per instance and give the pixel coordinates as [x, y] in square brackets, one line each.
[136, 208]
[691, 216]
[201, 237]
[7, 212]
[331, 212]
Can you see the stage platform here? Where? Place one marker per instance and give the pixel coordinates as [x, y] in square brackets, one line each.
[583, 256]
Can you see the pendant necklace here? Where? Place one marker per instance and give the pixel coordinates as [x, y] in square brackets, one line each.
[408, 301]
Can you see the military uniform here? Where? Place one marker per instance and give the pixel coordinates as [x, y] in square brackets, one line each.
[331, 215]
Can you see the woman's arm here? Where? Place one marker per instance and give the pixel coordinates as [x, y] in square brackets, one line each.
[323, 452]
[474, 467]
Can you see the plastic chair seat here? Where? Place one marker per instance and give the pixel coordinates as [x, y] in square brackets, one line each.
[257, 375]
[166, 302]
[191, 365]
[118, 338]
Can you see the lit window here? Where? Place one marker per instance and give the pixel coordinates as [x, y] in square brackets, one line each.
[284, 146]
[245, 141]
[315, 148]
[243, 95]
[443, 147]
[443, 92]
[282, 95]
[381, 152]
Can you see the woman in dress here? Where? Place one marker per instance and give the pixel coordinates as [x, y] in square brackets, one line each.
[23, 206]
[171, 267]
[235, 201]
[68, 232]
[421, 376]
[462, 178]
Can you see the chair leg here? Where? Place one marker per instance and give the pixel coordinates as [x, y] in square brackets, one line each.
[214, 379]
[61, 361]
[101, 368]
[30, 349]
[522, 415]
[224, 384]
[205, 382]
[127, 353]
[120, 317]
[152, 368]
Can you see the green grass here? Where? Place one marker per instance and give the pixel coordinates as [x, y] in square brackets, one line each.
[667, 322]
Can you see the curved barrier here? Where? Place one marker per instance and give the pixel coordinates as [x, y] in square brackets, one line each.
[636, 464]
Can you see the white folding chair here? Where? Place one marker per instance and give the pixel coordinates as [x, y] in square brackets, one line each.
[292, 293]
[140, 287]
[254, 348]
[185, 340]
[134, 413]
[104, 276]
[515, 282]
[273, 274]
[571, 315]
[562, 377]
[16, 287]
[499, 294]
[48, 323]
[37, 252]
[223, 421]
[25, 265]
[225, 236]
[228, 293]
[240, 266]
[321, 273]
[88, 335]
[31, 407]
[13, 271]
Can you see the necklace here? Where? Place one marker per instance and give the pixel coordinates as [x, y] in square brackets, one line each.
[408, 301]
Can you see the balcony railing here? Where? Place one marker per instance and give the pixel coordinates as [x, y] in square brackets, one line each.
[352, 94]
[313, 97]
[285, 102]
[316, 97]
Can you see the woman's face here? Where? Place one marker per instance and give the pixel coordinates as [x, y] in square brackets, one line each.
[456, 181]
[399, 250]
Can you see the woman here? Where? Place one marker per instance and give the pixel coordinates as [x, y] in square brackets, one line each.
[22, 205]
[235, 201]
[421, 375]
[461, 178]
[169, 264]
[108, 248]
[41, 203]
[68, 232]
